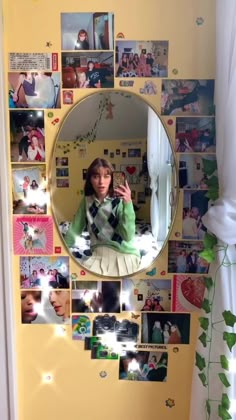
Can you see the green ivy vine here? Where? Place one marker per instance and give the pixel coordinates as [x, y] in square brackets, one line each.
[207, 323]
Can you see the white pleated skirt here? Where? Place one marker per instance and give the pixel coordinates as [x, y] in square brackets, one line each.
[108, 262]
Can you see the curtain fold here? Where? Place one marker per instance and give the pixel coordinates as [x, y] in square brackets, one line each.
[221, 218]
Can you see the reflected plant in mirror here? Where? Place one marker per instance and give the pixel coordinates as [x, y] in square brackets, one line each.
[114, 231]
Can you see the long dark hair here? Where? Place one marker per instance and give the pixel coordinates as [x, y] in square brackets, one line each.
[94, 166]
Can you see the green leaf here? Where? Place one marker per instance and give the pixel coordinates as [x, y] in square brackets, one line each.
[224, 362]
[225, 401]
[212, 182]
[223, 413]
[206, 306]
[209, 241]
[200, 361]
[212, 194]
[203, 339]
[209, 166]
[208, 254]
[229, 318]
[230, 339]
[204, 322]
[202, 377]
[208, 407]
[208, 282]
[224, 379]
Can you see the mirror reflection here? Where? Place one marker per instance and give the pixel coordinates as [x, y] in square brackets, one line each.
[112, 178]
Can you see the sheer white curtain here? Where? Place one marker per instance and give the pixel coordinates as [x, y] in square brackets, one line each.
[221, 219]
[153, 160]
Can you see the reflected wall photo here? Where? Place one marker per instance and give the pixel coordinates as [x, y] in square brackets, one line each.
[98, 222]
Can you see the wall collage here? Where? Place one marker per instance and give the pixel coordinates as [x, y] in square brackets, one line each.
[67, 106]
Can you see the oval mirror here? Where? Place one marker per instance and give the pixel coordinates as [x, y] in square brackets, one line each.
[113, 137]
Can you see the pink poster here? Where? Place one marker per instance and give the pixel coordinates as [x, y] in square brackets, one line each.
[188, 293]
[33, 235]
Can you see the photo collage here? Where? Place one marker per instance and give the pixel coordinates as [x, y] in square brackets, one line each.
[138, 320]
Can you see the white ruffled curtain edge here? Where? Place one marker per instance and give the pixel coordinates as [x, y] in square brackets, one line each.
[221, 218]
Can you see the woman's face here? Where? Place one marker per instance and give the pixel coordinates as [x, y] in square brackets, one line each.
[30, 302]
[82, 77]
[101, 181]
[91, 66]
[60, 300]
[34, 141]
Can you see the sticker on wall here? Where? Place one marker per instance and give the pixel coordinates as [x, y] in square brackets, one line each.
[165, 328]
[44, 272]
[31, 61]
[29, 189]
[196, 134]
[143, 366]
[120, 35]
[27, 135]
[149, 88]
[33, 235]
[45, 307]
[183, 257]
[188, 293]
[199, 21]
[189, 97]
[81, 327]
[155, 295]
[170, 403]
[126, 83]
[68, 97]
[152, 272]
[141, 58]
[34, 90]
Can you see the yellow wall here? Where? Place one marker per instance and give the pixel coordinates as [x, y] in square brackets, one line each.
[77, 390]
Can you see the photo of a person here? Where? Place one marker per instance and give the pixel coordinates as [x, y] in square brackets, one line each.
[93, 76]
[30, 303]
[176, 327]
[82, 42]
[110, 222]
[60, 301]
[195, 134]
[36, 150]
[184, 257]
[82, 80]
[143, 366]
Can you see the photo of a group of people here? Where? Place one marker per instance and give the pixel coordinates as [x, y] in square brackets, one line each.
[183, 257]
[27, 136]
[143, 366]
[45, 307]
[88, 70]
[44, 272]
[195, 135]
[29, 189]
[189, 97]
[167, 328]
[141, 58]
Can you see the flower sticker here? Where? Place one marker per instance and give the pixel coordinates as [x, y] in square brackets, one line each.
[175, 71]
[170, 403]
[199, 21]
[176, 349]
[103, 374]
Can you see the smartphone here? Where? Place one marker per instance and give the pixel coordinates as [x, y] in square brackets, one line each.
[118, 179]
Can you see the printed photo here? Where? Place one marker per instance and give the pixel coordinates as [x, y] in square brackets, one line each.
[81, 327]
[101, 348]
[62, 183]
[165, 328]
[87, 31]
[183, 257]
[62, 161]
[88, 70]
[195, 205]
[96, 296]
[29, 189]
[122, 330]
[27, 136]
[195, 134]
[44, 272]
[198, 171]
[188, 293]
[41, 307]
[146, 295]
[34, 90]
[141, 58]
[189, 97]
[143, 366]
[33, 235]
[62, 172]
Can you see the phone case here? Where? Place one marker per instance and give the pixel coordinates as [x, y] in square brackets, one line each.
[118, 179]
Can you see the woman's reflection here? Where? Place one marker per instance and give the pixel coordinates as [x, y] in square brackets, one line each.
[110, 219]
